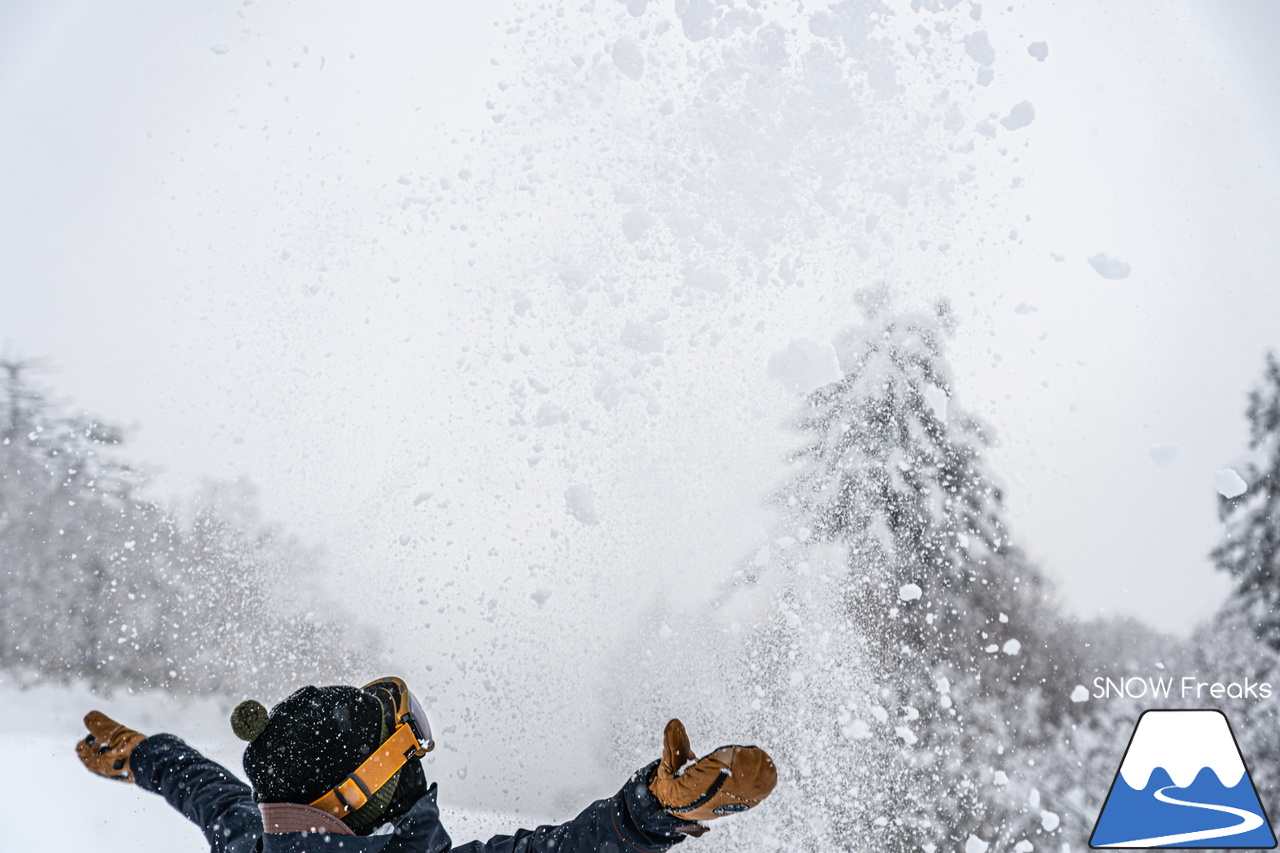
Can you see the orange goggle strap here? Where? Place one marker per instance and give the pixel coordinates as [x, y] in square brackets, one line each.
[376, 771]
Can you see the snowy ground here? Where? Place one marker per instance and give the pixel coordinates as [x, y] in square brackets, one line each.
[51, 802]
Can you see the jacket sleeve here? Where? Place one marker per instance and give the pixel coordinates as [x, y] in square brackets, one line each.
[208, 794]
[631, 820]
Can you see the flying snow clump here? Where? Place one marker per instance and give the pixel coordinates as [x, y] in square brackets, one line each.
[1039, 49]
[937, 400]
[642, 336]
[628, 58]
[1164, 455]
[1020, 115]
[1080, 694]
[580, 502]
[910, 592]
[974, 844]
[805, 365]
[1229, 483]
[979, 48]
[1109, 267]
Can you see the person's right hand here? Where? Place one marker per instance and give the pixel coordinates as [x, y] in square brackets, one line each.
[108, 746]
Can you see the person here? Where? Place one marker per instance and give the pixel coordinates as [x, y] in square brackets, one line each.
[340, 768]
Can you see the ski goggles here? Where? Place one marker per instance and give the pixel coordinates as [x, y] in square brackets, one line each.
[410, 738]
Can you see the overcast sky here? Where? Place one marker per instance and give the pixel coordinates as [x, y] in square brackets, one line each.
[162, 165]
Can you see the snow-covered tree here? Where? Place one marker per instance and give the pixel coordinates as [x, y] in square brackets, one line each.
[101, 583]
[903, 661]
[1249, 506]
[1244, 636]
[904, 654]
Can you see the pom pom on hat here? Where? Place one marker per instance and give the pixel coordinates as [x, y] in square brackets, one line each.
[249, 720]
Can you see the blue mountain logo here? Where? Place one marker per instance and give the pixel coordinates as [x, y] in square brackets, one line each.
[1183, 783]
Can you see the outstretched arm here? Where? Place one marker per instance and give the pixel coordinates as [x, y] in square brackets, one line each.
[208, 794]
[631, 820]
[659, 806]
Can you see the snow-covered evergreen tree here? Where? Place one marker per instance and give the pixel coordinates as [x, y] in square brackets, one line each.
[1249, 506]
[899, 656]
[103, 584]
[1244, 637]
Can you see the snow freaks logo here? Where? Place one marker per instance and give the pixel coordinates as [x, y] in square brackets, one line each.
[1183, 783]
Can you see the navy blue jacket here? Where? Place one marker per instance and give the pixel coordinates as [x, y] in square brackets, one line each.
[222, 806]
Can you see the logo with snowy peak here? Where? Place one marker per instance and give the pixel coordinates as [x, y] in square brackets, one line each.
[1183, 783]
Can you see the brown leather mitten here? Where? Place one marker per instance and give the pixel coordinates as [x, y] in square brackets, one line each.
[108, 746]
[730, 779]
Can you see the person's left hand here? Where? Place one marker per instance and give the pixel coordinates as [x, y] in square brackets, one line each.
[108, 746]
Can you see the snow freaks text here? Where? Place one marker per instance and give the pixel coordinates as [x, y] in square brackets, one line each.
[1184, 687]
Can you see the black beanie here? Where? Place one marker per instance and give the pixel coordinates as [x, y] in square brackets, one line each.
[312, 741]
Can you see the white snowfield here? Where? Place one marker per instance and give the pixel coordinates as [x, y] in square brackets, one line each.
[1183, 743]
[52, 803]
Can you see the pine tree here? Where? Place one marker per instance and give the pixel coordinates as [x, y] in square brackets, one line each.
[1250, 546]
[1244, 636]
[101, 583]
[900, 664]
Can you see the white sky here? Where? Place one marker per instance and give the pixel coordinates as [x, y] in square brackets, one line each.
[212, 245]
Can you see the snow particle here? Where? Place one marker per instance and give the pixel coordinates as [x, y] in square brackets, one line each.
[580, 502]
[540, 595]
[908, 736]
[642, 337]
[1164, 455]
[219, 49]
[937, 400]
[549, 414]
[1049, 820]
[698, 19]
[628, 58]
[635, 225]
[979, 48]
[1012, 647]
[974, 844]
[805, 365]
[1020, 115]
[1080, 694]
[910, 592]
[1039, 49]
[1229, 483]
[857, 730]
[1000, 778]
[1109, 267]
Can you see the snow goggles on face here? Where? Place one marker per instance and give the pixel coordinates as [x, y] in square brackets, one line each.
[410, 738]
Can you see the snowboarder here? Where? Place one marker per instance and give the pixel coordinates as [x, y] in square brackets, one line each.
[340, 768]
